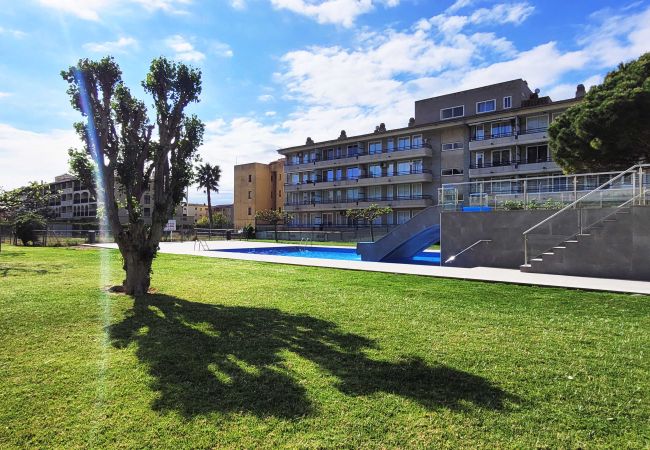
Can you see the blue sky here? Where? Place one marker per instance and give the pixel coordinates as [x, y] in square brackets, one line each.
[277, 71]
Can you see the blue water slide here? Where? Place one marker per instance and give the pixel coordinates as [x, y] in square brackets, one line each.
[406, 240]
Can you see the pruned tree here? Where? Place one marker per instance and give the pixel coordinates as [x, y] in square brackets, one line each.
[369, 214]
[121, 159]
[609, 128]
[274, 217]
[208, 177]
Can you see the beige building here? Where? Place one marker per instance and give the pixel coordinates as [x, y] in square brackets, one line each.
[257, 186]
[489, 133]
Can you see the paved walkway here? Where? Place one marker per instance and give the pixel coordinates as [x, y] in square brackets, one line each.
[475, 273]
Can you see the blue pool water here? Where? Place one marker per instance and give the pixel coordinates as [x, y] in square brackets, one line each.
[339, 253]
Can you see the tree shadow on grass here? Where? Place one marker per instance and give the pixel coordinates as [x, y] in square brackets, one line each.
[207, 358]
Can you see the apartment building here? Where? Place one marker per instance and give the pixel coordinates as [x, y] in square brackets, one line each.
[257, 187]
[492, 132]
[75, 207]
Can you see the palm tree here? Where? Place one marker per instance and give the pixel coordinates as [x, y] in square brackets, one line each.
[207, 177]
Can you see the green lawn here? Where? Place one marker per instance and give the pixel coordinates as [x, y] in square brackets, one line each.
[240, 354]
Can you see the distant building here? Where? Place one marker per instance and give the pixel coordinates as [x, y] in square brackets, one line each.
[200, 210]
[257, 187]
[76, 208]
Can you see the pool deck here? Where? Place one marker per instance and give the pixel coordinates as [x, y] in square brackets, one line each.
[489, 274]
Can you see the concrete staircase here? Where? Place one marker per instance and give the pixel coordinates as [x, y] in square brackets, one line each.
[407, 240]
[605, 249]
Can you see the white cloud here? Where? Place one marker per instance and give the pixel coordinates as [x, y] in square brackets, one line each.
[502, 13]
[119, 46]
[270, 113]
[184, 49]
[459, 4]
[221, 49]
[5, 94]
[338, 12]
[11, 32]
[93, 9]
[238, 4]
[265, 98]
[31, 156]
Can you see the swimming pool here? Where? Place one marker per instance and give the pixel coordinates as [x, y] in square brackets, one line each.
[339, 253]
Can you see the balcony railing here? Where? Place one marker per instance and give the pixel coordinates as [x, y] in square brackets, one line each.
[320, 179]
[511, 133]
[514, 162]
[358, 200]
[357, 154]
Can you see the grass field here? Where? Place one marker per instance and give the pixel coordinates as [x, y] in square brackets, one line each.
[239, 354]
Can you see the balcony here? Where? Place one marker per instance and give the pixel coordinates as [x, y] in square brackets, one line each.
[412, 176]
[521, 137]
[411, 201]
[532, 135]
[490, 140]
[363, 156]
[514, 167]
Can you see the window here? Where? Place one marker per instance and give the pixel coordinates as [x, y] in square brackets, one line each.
[249, 210]
[501, 129]
[452, 146]
[250, 178]
[417, 141]
[374, 171]
[374, 193]
[403, 216]
[374, 148]
[390, 145]
[390, 169]
[537, 123]
[450, 113]
[403, 167]
[403, 143]
[339, 174]
[352, 173]
[329, 175]
[486, 106]
[353, 194]
[451, 172]
[403, 191]
[501, 157]
[478, 132]
[250, 194]
[478, 158]
[147, 199]
[416, 190]
[147, 212]
[536, 154]
[353, 150]
[507, 102]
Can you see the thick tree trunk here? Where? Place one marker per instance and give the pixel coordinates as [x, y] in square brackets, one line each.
[137, 265]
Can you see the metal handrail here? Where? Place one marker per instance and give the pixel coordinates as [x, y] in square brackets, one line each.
[571, 205]
[453, 257]
[574, 203]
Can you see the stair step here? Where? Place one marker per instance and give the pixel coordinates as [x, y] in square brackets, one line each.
[559, 247]
[609, 220]
[584, 234]
[548, 253]
[571, 241]
[537, 259]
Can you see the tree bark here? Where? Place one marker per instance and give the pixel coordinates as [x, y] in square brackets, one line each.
[137, 265]
[209, 210]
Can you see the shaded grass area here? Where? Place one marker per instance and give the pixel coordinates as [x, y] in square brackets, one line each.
[240, 354]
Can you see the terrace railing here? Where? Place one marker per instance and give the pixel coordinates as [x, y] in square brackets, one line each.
[628, 188]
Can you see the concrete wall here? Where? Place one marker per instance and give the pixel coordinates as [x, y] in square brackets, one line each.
[623, 243]
[428, 110]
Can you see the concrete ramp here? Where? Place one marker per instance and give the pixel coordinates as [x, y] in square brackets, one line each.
[407, 240]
